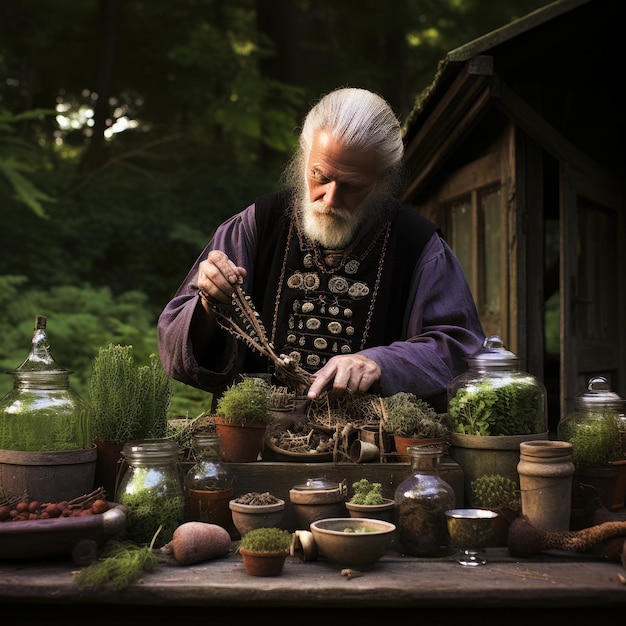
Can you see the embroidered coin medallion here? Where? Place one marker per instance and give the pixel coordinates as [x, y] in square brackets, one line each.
[334, 328]
[358, 290]
[338, 284]
[352, 266]
[311, 281]
[295, 281]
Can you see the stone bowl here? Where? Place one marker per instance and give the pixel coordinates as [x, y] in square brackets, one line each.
[351, 542]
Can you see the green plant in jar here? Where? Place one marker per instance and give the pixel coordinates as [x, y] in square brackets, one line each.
[42, 413]
[515, 408]
[495, 397]
[596, 441]
[152, 490]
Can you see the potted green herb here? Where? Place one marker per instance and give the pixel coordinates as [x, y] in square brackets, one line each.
[129, 402]
[412, 421]
[367, 501]
[265, 550]
[242, 414]
[500, 494]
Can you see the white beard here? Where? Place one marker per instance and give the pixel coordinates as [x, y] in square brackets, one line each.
[329, 227]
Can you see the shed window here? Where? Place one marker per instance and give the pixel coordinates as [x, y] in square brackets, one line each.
[474, 229]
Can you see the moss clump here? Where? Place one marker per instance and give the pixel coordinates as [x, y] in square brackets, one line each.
[246, 401]
[595, 441]
[266, 540]
[367, 493]
[407, 415]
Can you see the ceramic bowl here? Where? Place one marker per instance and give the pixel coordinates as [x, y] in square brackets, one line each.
[356, 543]
[247, 517]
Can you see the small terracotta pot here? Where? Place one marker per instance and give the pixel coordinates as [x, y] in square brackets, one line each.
[402, 445]
[240, 443]
[263, 563]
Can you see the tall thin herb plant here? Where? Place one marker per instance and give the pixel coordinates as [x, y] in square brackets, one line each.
[128, 401]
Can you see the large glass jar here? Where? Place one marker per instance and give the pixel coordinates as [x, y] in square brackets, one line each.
[152, 490]
[209, 483]
[595, 425]
[494, 397]
[421, 502]
[42, 413]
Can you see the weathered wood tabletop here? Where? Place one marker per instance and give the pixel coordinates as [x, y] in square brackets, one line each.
[546, 580]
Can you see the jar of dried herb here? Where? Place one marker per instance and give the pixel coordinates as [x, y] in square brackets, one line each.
[152, 490]
[421, 502]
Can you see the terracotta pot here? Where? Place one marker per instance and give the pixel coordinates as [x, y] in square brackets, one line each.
[240, 443]
[602, 480]
[263, 563]
[620, 485]
[110, 466]
[402, 444]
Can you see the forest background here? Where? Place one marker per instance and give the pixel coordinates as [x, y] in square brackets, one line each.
[129, 129]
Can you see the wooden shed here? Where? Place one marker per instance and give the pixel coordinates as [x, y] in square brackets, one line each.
[516, 151]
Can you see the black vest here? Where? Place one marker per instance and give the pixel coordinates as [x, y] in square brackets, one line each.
[313, 313]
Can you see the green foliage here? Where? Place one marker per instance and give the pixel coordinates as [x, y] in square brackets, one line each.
[515, 408]
[120, 563]
[129, 213]
[409, 416]
[19, 160]
[492, 491]
[246, 401]
[366, 492]
[128, 401]
[595, 441]
[152, 507]
[266, 540]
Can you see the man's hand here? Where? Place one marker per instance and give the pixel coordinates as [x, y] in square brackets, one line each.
[351, 373]
[217, 275]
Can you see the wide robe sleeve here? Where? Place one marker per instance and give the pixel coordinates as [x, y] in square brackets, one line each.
[222, 359]
[442, 325]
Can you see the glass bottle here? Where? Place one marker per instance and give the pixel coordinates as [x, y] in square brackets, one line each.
[152, 490]
[209, 483]
[421, 502]
[42, 413]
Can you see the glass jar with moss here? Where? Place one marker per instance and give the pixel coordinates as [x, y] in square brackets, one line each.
[595, 425]
[152, 490]
[42, 413]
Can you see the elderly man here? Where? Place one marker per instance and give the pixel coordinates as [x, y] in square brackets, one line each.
[356, 288]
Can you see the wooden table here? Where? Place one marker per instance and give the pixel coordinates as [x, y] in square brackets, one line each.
[546, 580]
[315, 592]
